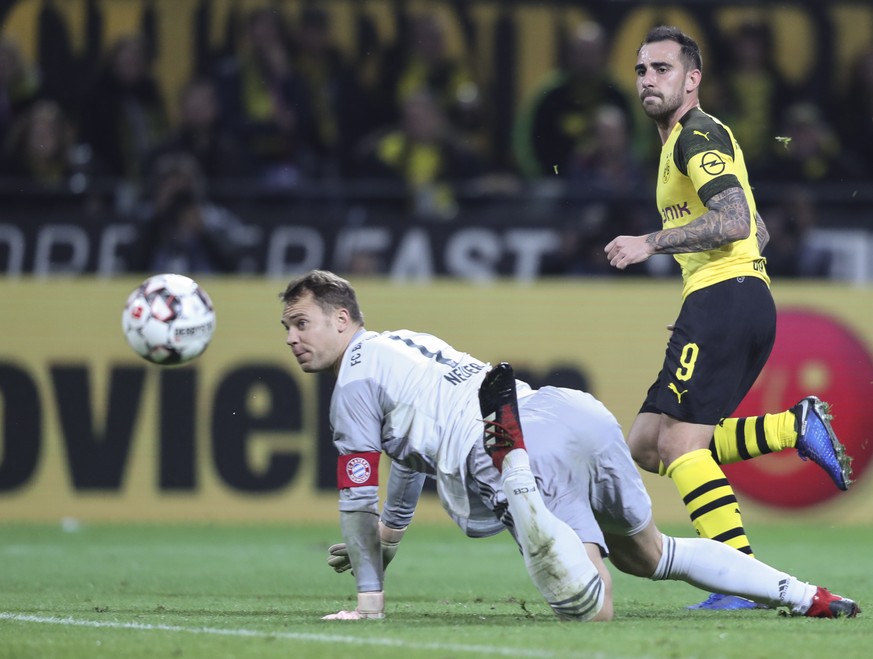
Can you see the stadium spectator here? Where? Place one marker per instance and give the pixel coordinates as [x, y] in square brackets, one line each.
[39, 146]
[580, 253]
[200, 132]
[713, 230]
[123, 114]
[607, 161]
[751, 91]
[265, 102]
[180, 230]
[810, 150]
[855, 109]
[424, 154]
[559, 118]
[340, 106]
[791, 251]
[19, 84]
[550, 466]
[605, 165]
[420, 61]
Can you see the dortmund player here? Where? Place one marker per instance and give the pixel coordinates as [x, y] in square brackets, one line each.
[727, 324]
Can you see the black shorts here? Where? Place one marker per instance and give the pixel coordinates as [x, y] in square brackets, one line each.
[721, 341]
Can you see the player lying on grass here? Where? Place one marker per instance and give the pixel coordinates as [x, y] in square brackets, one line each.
[566, 489]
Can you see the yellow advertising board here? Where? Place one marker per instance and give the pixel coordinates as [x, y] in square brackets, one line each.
[89, 430]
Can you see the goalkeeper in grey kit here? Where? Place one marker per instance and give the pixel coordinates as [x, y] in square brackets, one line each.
[550, 466]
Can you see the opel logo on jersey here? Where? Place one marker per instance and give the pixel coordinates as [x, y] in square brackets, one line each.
[358, 470]
[712, 163]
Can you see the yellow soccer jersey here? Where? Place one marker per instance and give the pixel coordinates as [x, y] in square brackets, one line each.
[700, 159]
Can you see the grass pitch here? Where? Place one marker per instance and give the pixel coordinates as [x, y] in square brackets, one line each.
[259, 592]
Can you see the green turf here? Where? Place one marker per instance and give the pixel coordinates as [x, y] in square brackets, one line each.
[231, 591]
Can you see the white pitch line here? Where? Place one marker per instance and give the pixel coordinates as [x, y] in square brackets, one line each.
[315, 638]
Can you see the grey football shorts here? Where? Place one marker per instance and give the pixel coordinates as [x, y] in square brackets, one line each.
[581, 462]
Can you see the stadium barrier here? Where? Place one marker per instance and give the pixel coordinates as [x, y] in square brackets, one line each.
[90, 431]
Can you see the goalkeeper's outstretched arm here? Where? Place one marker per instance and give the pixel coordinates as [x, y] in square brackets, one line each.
[404, 491]
[402, 495]
[360, 528]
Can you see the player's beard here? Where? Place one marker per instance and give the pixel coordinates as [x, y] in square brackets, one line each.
[663, 111]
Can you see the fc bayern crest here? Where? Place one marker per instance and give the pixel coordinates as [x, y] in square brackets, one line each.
[358, 470]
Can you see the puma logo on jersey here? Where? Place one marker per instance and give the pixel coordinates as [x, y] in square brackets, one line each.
[703, 135]
[672, 387]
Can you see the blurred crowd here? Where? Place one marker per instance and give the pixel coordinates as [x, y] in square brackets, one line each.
[287, 105]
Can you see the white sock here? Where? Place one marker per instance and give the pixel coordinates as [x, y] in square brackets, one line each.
[554, 555]
[717, 568]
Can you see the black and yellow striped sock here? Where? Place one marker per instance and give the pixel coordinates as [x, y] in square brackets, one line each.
[744, 438]
[709, 499]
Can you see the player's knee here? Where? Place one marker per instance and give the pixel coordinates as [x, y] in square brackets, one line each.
[642, 440]
[644, 451]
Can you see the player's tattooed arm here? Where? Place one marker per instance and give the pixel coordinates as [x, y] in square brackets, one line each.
[727, 220]
[762, 234]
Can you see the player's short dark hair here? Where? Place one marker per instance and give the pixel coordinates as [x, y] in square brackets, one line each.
[330, 291]
[689, 50]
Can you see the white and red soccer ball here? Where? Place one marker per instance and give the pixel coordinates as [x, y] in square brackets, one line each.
[168, 319]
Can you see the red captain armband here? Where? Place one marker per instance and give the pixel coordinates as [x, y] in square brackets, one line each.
[357, 469]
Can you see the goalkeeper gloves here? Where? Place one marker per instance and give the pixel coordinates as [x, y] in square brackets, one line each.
[338, 557]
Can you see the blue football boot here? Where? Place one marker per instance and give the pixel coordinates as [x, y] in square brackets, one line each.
[816, 441]
[721, 602]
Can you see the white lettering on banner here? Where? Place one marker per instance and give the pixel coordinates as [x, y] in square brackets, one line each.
[476, 253]
[307, 240]
[114, 235]
[354, 242]
[473, 254]
[13, 238]
[414, 257]
[531, 245]
[416, 253]
[56, 235]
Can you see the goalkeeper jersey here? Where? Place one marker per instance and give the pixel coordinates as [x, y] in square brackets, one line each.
[415, 398]
[700, 159]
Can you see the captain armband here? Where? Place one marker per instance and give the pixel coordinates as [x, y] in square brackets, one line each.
[357, 469]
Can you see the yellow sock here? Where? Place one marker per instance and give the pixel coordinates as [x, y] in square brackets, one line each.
[709, 499]
[745, 438]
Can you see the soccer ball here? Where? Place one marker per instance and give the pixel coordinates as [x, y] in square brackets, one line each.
[168, 319]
